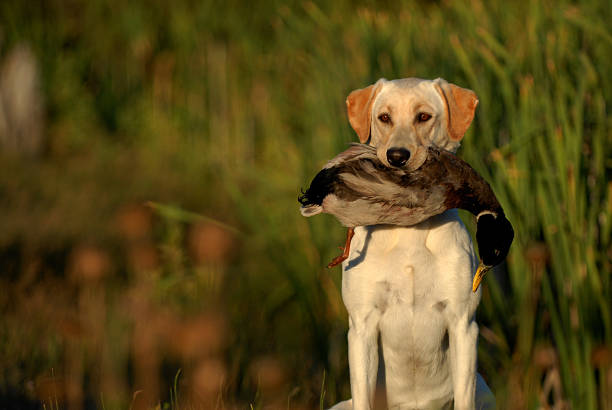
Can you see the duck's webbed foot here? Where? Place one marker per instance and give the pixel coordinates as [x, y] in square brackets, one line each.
[345, 251]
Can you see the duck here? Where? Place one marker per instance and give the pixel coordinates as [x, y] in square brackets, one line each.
[359, 190]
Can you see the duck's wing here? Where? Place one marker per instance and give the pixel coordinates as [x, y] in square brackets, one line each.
[354, 152]
[367, 178]
[397, 196]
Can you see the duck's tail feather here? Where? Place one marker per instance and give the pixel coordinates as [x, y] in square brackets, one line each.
[311, 210]
[306, 199]
[319, 188]
[309, 206]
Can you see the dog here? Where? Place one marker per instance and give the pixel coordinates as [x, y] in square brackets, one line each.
[411, 287]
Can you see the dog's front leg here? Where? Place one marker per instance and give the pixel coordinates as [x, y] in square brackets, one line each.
[463, 336]
[363, 357]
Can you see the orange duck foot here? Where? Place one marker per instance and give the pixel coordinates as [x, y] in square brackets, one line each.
[345, 251]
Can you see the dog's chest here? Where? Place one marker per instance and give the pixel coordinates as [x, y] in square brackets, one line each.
[410, 311]
[399, 278]
[410, 301]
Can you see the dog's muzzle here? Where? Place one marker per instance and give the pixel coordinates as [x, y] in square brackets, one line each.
[398, 157]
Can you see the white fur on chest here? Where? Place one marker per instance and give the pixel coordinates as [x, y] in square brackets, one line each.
[411, 267]
[411, 284]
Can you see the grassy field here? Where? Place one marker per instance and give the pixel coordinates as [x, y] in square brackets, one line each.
[151, 248]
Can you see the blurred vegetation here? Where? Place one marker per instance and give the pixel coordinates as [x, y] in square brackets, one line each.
[152, 153]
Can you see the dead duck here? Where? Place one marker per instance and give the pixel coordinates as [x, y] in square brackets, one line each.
[359, 190]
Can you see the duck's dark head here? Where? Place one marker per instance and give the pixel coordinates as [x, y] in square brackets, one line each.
[494, 235]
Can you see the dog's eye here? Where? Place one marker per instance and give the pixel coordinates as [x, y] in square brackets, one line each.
[384, 117]
[423, 116]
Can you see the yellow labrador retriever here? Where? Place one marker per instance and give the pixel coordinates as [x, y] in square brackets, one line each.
[412, 287]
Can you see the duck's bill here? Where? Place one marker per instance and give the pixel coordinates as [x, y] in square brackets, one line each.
[480, 272]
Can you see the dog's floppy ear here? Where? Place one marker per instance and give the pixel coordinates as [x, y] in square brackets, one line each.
[359, 108]
[460, 106]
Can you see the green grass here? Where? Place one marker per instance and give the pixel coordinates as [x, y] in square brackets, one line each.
[217, 114]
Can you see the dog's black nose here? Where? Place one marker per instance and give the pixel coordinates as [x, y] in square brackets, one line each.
[398, 156]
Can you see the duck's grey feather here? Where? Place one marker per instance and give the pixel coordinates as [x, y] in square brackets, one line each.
[353, 153]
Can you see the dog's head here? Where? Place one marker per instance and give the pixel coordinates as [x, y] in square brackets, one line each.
[402, 118]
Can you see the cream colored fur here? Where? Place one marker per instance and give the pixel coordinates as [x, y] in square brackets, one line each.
[412, 286]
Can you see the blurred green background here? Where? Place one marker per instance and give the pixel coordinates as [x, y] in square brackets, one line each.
[151, 248]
